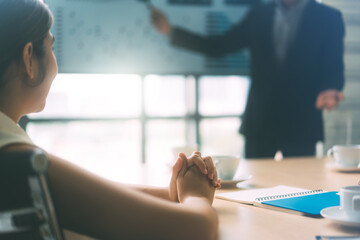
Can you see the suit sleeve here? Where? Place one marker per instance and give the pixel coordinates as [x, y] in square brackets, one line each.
[333, 55]
[216, 46]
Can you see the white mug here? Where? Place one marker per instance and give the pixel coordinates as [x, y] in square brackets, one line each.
[226, 166]
[350, 201]
[345, 155]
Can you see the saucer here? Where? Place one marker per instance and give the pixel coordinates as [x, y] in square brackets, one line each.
[335, 167]
[338, 216]
[235, 180]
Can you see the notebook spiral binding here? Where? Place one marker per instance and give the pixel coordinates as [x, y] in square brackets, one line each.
[289, 195]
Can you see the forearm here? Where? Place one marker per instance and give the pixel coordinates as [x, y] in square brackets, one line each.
[96, 207]
[153, 191]
[191, 41]
[212, 46]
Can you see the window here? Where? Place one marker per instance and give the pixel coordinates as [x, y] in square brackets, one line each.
[223, 95]
[92, 118]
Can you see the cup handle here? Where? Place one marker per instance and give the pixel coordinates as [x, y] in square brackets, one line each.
[356, 203]
[330, 153]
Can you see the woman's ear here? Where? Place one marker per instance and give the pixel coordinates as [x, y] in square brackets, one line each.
[28, 57]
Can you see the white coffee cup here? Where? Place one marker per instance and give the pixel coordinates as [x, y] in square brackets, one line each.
[345, 155]
[226, 166]
[350, 201]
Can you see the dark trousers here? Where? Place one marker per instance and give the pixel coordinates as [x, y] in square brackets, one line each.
[266, 147]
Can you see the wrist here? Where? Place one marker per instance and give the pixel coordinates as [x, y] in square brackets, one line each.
[202, 206]
[196, 199]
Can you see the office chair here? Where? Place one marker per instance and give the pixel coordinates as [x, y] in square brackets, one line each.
[26, 209]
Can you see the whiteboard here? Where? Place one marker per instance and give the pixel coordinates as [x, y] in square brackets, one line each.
[116, 36]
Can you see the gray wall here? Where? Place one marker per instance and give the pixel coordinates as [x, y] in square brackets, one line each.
[343, 124]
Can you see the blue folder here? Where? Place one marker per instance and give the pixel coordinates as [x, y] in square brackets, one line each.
[309, 204]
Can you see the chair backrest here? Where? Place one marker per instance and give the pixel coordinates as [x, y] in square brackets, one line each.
[26, 208]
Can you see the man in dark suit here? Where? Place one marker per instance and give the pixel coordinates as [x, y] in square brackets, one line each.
[297, 70]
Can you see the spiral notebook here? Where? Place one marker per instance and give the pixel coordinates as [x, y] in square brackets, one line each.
[286, 198]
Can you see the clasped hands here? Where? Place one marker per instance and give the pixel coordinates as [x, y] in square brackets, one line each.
[195, 176]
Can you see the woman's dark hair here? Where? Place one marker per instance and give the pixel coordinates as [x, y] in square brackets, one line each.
[21, 22]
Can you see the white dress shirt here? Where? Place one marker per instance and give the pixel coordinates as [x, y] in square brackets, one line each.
[286, 22]
[11, 132]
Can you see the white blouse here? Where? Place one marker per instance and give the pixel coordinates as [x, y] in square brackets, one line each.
[11, 132]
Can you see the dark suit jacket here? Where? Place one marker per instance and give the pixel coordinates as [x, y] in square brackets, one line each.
[282, 98]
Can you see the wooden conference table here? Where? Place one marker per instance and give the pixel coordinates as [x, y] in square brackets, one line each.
[240, 221]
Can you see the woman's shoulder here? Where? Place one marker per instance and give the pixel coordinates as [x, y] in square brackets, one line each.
[8, 138]
[11, 133]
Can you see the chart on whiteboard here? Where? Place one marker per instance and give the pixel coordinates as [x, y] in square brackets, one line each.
[116, 36]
